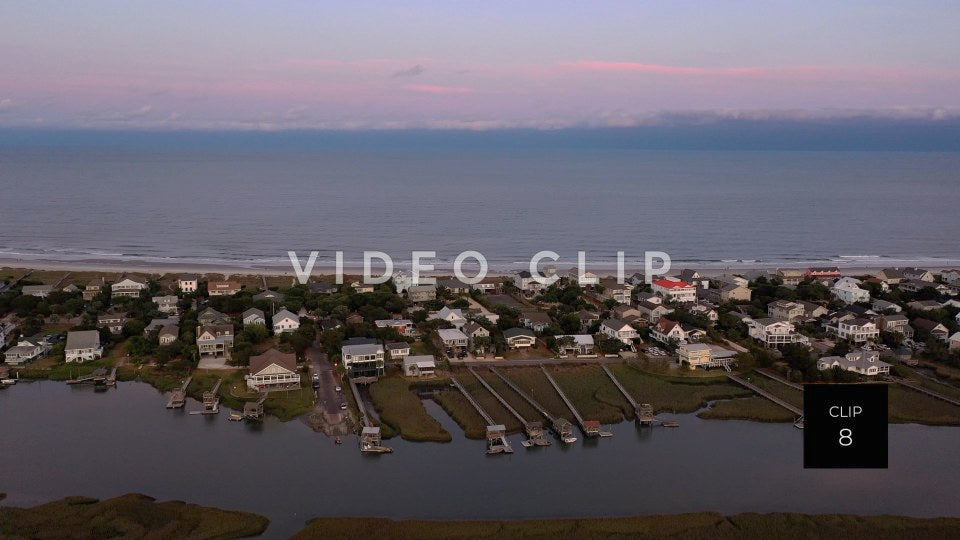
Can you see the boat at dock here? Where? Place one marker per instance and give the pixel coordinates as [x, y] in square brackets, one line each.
[670, 423]
[8, 382]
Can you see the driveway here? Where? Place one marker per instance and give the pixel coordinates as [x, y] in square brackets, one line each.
[326, 415]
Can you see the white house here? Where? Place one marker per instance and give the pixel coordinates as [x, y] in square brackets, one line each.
[24, 351]
[774, 332]
[215, 340]
[166, 304]
[526, 282]
[666, 330]
[404, 327]
[128, 287]
[187, 283]
[674, 290]
[273, 370]
[848, 291]
[363, 360]
[863, 362]
[857, 330]
[954, 341]
[419, 366]
[453, 338]
[617, 292]
[82, 346]
[168, 334]
[398, 350]
[783, 309]
[41, 291]
[618, 329]
[517, 338]
[951, 277]
[452, 316]
[223, 288]
[284, 322]
[581, 344]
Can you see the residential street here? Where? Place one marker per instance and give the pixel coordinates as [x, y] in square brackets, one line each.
[326, 415]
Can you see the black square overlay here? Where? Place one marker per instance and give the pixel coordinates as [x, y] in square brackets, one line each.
[845, 426]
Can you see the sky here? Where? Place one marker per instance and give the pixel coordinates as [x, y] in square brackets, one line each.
[292, 64]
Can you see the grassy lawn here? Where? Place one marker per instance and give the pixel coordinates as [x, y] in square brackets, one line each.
[457, 406]
[518, 403]
[755, 408]
[592, 393]
[402, 410]
[668, 394]
[778, 389]
[908, 406]
[532, 381]
[693, 525]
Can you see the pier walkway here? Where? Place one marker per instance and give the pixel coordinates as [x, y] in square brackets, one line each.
[534, 430]
[370, 435]
[918, 388]
[590, 428]
[179, 396]
[561, 426]
[644, 411]
[496, 433]
[765, 394]
[779, 378]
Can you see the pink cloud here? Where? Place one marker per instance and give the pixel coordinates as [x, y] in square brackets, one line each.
[792, 72]
[439, 90]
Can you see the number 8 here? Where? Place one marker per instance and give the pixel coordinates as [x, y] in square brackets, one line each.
[846, 437]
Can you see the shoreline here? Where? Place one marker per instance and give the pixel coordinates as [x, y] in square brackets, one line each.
[854, 268]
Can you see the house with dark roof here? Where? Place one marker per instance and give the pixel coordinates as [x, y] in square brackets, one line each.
[273, 370]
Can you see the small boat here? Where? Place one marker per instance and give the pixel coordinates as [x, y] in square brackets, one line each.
[526, 444]
[8, 382]
[235, 417]
[670, 423]
[606, 434]
[570, 439]
[337, 441]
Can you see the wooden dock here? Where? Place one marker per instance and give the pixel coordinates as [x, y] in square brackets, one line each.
[211, 400]
[798, 422]
[590, 428]
[253, 410]
[179, 396]
[497, 442]
[644, 411]
[918, 388]
[561, 426]
[100, 379]
[370, 436]
[534, 430]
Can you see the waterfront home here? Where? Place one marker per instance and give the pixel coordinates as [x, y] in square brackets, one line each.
[269, 296]
[812, 310]
[951, 277]
[823, 272]
[918, 274]
[882, 306]
[789, 276]
[5, 331]
[168, 334]
[95, 287]
[863, 362]
[897, 322]
[857, 330]
[695, 355]
[525, 281]
[783, 309]
[166, 304]
[537, 321]
[360, 287]
[694, 278]
[404, 327]
[489, 285]
[848, 291]
[212, 316]
[618, 329]
[215, 340]
[674, 290]
[578, 344]
[422, 293]
[453, 338]
[398, 350]
[454, 285]
[285, 322]
[924, 305]
[666, 330]
[954, 342]
[452, 316]
[24, 351]
[363, 360]
[82, 346]
[41, 291]
[70, 289]
[916, 285]
[518, 338]
[473, 331]
[573, 276]
[933, 328]
[772, 332]
[273, 370]
[112, 322]
[187, 283]
[652, 311]
[254, 316]
[223, 288]
[419, 366]
[128, 287]
[618, 292]
[890, 276]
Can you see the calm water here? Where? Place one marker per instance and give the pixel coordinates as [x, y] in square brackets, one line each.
[59, 441]
[252, 207]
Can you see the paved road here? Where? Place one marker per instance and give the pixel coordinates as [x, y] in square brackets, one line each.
[327, 415]
[535, 362]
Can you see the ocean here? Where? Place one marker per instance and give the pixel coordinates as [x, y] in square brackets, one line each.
[251, 205]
